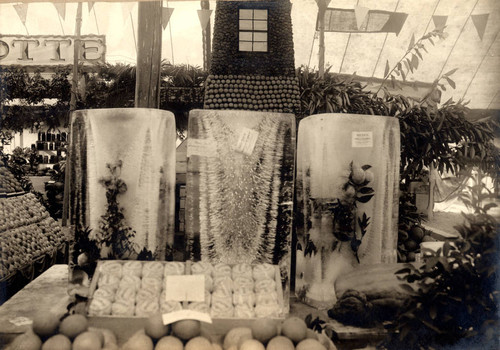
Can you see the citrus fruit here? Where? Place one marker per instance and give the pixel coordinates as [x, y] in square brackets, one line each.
[310, 344]
[311, 334]
[186, 329]
[264, 329]
[169, 343]
[368, 176]
[57, 342]
[26, 341]
[357, 174]
[417, 233]
[155, 327]
[198, 343]
[411, 245]
[73, 325]
[138, 341]
[280, 343]
[88, 341]
[252, 344]
[236, 336]
[45, 324]
[294, 328]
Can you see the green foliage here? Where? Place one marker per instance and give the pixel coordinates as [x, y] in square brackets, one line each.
[455, 293]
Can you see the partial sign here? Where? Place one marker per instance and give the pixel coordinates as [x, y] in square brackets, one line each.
[50, 50]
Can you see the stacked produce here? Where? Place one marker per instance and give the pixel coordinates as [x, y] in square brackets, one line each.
[8, 183]
[252, 92]
[27, 232]
[409, 242]
[135, 288]
[74, 333]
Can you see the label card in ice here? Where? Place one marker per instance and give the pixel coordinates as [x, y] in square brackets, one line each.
[246, 141]
[185, 288]
[201, 147]
[175, 316]
[362, 139]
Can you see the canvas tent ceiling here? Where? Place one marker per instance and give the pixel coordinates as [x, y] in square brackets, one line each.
[477, 78]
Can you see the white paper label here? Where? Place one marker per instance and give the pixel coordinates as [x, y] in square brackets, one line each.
[175, 316]
[185, 288]
[247, 140]
[201, 147]
[362, 139]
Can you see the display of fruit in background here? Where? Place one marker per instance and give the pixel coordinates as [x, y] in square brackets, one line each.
[409, 242]
[8, 183]
[26, 232]
[252, 92]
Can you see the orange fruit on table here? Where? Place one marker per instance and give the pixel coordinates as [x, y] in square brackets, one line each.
[294, 328]
[57, 342]
[73, 325]
[198, 343]
[251, 344]
[310, 344]
[169, 343]
[154, 326]
[186, 329]
[87, 341]
[264, 329]
[280, 343]
[45, 324]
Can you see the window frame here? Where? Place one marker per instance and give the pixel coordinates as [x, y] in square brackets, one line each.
[259, 45]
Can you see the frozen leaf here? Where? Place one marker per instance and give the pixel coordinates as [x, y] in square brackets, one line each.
[412, 42]
[386, 71]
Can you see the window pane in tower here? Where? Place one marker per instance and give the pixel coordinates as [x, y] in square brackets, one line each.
[253, 30]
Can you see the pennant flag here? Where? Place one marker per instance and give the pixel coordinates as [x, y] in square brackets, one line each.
[395, 22]
[90, 5]
[22, 11]
[127, 8]
[361, 13]
[480, 23]
[204, 17]
[166, 12]
[439, 21]
[61, 9]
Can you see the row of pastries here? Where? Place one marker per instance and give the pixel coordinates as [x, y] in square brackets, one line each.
[135, 288]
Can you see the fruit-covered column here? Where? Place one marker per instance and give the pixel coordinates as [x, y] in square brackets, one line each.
[253, 58]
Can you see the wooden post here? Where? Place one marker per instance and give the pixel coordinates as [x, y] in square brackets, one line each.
[147, 86]
[72, 107]
[207, 42]
[322, 5]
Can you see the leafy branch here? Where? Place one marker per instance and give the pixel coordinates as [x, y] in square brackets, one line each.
[411, 59]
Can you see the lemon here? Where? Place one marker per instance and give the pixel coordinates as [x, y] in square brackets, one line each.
[57, 342]
[186, 329]
[294, 328]
[236, 336]
[73, 325]
[280, 343]
[155, 327]
[252, 344]
[45, 324]
[310, 344]
[169, 343]
[26, 341]
[264, 329]
[198, 343]
[88, 341]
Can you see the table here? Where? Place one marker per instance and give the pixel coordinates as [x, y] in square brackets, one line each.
[48, 293]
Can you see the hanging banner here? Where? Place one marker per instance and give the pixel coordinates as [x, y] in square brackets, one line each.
[376, 21]
[50, 50]
[360, 12]
[90, 5]
[166, 12]
[61, 9]
[22, 11]
[204, 17]
[480, 22]
[127, 8]
[439, 21]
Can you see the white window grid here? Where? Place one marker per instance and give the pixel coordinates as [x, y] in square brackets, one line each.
[253, 30]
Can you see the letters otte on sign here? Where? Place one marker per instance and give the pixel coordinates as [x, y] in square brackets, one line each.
[50, 50]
